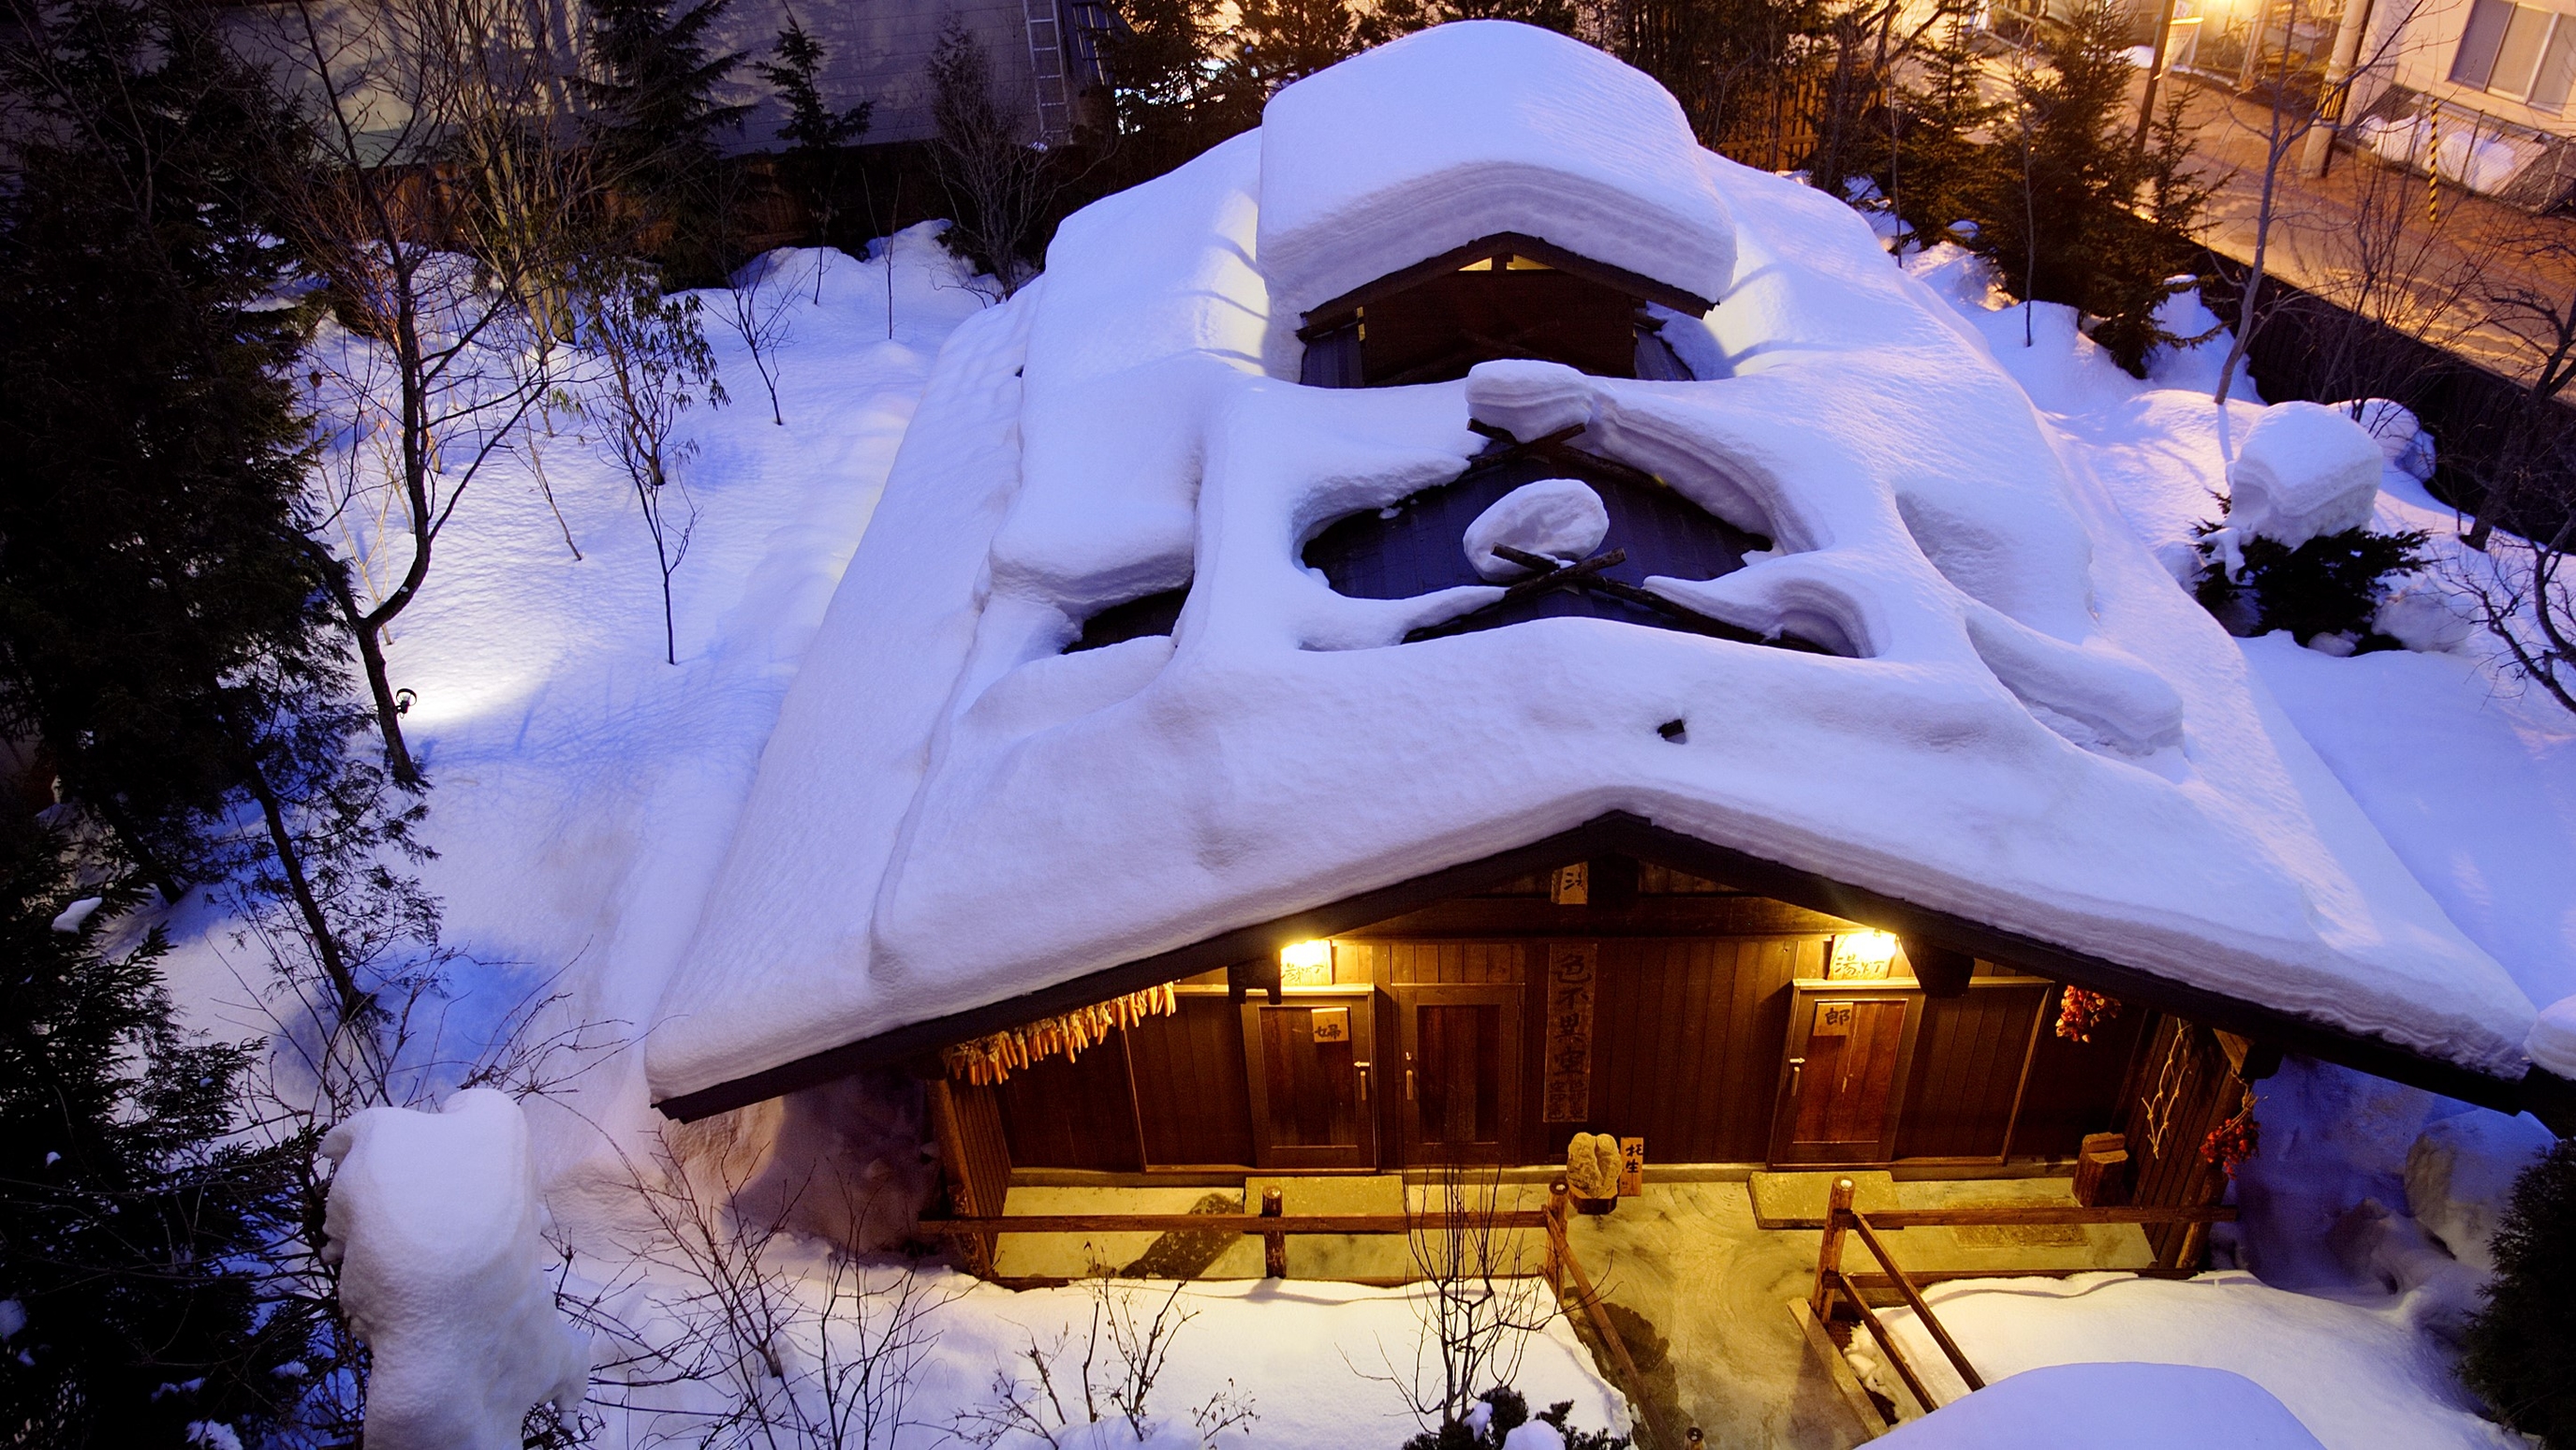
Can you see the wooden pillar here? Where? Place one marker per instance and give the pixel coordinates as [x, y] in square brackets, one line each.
[1829, 1254]
[1274, 1244]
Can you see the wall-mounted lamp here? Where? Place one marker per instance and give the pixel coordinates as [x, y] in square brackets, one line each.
[1862, 956]
[1306, 964]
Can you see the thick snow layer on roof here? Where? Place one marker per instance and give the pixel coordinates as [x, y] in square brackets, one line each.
[1476, 128]
[2032, 726]
[2158, 1407]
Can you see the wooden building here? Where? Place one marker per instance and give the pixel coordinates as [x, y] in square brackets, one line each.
[1238, 823]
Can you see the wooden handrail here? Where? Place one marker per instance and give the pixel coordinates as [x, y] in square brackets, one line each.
[1562, 1255]
[1245, 1223]
[1887, 1342]
[2045, 1213]
[1913, 1300]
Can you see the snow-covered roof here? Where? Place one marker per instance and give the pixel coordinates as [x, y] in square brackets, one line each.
[2029, 725]
[1472, 130]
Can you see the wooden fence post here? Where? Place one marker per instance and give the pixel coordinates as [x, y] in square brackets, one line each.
[1556, 1196]
[1829, 1254]
[1274, 1244]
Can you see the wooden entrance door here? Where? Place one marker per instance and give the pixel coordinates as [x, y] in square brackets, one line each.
[1310, 1063]
[1458, 1092]
[1842, 1085]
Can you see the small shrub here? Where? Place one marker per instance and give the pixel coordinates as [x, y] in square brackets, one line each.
[1507, 1411]
[2520, 1345]
[2330, 585]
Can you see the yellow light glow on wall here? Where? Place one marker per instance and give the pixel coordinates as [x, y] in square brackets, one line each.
[1862, 955]
[1306, 964]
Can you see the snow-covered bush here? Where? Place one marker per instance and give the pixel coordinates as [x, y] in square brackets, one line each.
[2519, 1348]
[1501, 1420]
[2328, 588]
[433, 1219]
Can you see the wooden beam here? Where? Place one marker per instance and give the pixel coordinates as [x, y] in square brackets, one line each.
[1324, 316]
[1239, 1223]
[1942, 971]
[1620, 832]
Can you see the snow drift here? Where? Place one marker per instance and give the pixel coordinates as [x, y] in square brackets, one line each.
[2119, 1406]
[433, 1219]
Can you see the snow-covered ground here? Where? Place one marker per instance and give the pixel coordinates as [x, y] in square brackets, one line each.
[2359, 1377]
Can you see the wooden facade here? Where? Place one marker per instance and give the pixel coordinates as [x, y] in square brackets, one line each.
[1492, 1027]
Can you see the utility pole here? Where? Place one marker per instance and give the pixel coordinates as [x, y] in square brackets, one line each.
[2334, 100]
[2155, 71]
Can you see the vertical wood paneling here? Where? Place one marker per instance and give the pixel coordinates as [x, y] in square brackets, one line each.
[974, 1158]
[1192, 1097]
[2182, 1089]
[2075, 1087]
[1967, 1064]
[1076, 1114]
[1687, 1043]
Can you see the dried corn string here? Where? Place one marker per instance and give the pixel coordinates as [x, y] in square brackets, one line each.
[991, 1059]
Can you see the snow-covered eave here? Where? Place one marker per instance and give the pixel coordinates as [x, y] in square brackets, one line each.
[1619, 832]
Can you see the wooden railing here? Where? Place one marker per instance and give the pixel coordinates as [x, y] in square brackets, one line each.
[1835, 1285]
[1564, 1272]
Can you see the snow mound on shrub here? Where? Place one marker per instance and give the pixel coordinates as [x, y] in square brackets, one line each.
[2460, 1173]
[1467, 130]
[433, 1220]
[2152, 1407]
[1561, 518]
[2305, 470]
[2399, 433]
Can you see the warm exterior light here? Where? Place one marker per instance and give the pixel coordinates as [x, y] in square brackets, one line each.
[1306, 964]
[1862, 954]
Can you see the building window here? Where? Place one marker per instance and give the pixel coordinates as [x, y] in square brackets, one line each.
[2520, 52]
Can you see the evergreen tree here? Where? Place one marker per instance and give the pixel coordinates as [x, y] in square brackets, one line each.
[1171, 93]
[2518, 1348]
[1942, 170]
[654, 121]
[129, 1239]
[815, 133]
[153, 576]
[1391, 18]
[1281, 41]
[2062, 221]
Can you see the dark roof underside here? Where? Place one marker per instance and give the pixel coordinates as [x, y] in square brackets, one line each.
[1620, 833]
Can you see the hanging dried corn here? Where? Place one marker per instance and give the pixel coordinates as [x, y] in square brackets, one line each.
[993, 1058]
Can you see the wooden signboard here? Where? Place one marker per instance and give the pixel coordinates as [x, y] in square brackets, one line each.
[1632, 1167]
[1573, 970]
[1571, 885]
[1332, 1024]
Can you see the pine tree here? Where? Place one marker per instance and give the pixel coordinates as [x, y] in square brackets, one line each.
[654, 122]
[129, 1238]
[2062, 219]
[151, 452]
[1391, 18]
[1942, 170]
[2518, 1348]
[815, 132]
[1282, 41]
